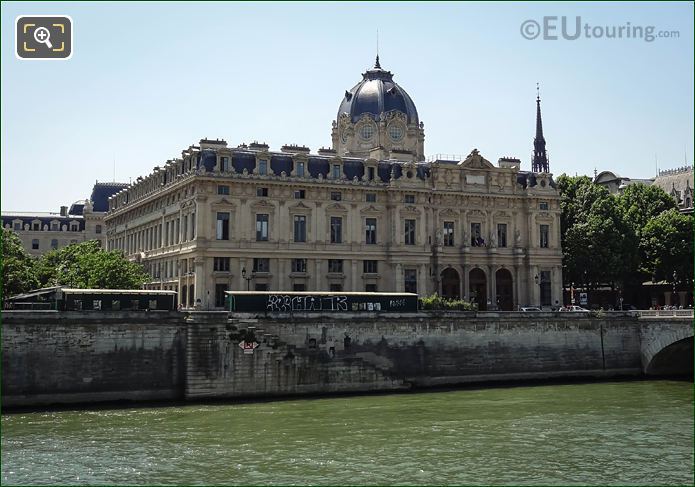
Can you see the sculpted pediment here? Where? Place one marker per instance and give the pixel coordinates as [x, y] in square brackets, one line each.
[336, 207]
[371, 209]
[263, 205]
[476, 161]
[300, 207]
[448, 212]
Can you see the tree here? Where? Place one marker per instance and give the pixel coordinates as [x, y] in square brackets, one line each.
[18, 270]
[640, 203]
[87, 265]
[667, 244]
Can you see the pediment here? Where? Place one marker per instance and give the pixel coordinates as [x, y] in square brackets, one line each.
[476, 161]
[336, 207]
[301, 206]
[370, 209]
[262, 204]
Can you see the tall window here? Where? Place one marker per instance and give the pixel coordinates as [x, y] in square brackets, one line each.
[336, 229]
[54, 243]
[370, 231]
[98, 229]
[299, 169]
[220, 264]
[224, 163]
[263, 167]
[300, 228]
[370, 267]
[449, 234]
[262, 227]
[502, 234]
[298, 265]
[220, 294]
[410, 232]
[335, 265]
[336, 171]
[261, 265]
[17, 226]
[545, 230]
[476, 236]
[410, 280]
[370, 173]
[35, 244]
[222, 232]
[546, 299]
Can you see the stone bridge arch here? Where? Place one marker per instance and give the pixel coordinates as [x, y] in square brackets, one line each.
[667, 346]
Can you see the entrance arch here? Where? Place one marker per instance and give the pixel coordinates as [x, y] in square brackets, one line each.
[477, 283]
[504, 296]
[451, 284]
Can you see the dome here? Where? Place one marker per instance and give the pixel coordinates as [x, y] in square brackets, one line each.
[377, 93]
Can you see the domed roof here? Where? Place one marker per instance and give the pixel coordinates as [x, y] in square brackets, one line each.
[377, 93]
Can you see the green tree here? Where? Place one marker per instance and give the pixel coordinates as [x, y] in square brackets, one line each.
[18, 269]
[667, 244]
[640, 203]
[87, 265]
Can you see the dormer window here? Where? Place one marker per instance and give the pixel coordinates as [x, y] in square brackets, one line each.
[371, 173]
[299, 169]
[336, 171]
[263, 167]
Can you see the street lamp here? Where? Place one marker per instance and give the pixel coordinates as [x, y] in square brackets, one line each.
[248, 279]
[675, 278]
[537, 280]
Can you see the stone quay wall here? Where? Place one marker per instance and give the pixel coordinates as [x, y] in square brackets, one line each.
[85, 357]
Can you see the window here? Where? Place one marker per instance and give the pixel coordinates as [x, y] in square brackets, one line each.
[477, 239]
[54, 243]
[54, 226]
[543, 205]
[263, 167]
[395, 131]
[370, 197]
[544, 236]
[261, 287]
[299, 169]
[336, 171]
[336, 229]
[370, 173]
[370, 230]
[370, 267]
[448, 234]
[98, 228]
[74, 227]
[546, 299]
[409, 199]
[261, 227]
[300, 228]
[222, 230]
[36, 226]
[501, 234]
[17, 226]
[298, 287]
[370, 288]
[220, 264]
[367, 131]
[261, 265]
[299, 194]
[410, 280]
[224, 164]
[35, 244]
[220, 290]
[335, 265]
[336, 196]
[262, 192]
[410, 232]
[222, 189]
[299, 265]
[336, 288]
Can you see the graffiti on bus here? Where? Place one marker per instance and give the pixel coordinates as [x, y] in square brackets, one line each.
[284, 302]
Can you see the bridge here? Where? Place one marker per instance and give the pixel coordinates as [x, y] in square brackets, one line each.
[666, 339]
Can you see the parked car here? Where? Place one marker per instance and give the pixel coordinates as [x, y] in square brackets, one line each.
[575, 309]
[530, 308]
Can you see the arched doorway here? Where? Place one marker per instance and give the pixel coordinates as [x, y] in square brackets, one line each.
[477, 283]
[504, 296]
[451, 284]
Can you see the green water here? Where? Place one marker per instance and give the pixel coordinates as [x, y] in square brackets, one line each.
[607, 433]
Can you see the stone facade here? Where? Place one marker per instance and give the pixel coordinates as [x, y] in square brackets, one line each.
[366, 215]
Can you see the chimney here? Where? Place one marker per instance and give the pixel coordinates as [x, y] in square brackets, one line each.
[63, 211]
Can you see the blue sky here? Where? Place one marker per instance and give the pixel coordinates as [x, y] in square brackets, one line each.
[148, 80]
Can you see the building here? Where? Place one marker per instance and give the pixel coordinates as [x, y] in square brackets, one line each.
[82, 221]
[676, 182]
[368, 214]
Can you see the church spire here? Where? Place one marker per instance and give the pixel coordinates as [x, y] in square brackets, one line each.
[540, 158]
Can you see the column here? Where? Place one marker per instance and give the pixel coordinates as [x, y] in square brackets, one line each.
[493, 287]
[515, 288]
[399, 283]
[319, 283]
[199, 282]
[466, 285]
[422, 280]
[355, 285]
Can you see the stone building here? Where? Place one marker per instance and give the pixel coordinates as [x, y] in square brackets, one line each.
[368, 214]
[82, 221]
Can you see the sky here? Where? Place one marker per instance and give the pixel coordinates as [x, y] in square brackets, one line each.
[147, 80]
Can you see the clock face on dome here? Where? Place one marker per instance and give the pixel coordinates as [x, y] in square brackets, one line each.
[367, 131]
[396, 131]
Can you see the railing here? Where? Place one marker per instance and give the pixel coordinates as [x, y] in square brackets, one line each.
[680, 313]
[446, 157]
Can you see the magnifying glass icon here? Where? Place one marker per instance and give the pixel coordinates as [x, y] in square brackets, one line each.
[43, 36]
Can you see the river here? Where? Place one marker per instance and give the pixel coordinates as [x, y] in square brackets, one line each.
[599, 433]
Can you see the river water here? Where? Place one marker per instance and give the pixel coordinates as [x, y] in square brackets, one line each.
[602, 433]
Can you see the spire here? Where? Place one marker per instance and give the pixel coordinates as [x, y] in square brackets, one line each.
[540, 157]
[376, 64]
